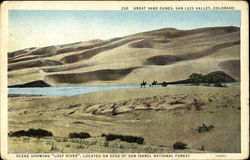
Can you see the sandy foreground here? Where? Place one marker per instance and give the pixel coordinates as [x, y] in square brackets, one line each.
[161, 115]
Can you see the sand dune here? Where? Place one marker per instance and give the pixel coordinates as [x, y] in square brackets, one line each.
[158, 51]
[174, 33]
[40, 52]
[90, 53]
[99, 75]
[161, 115]
[170, 59]
[32, 64]
[20, 52]
[141, 44]
[232, 67]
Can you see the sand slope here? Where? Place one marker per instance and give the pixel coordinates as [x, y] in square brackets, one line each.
[168, 54]
[161, 115]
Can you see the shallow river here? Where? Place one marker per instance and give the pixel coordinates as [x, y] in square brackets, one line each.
[76, 90]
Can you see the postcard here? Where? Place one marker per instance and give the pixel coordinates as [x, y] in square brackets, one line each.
[124, 80]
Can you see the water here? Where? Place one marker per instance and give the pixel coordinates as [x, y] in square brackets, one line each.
[77, 90]
[65, 90]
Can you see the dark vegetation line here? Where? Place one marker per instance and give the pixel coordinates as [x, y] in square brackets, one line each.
[31, 133]
[22, 95]
[129, 139]
[213, 77]
[107, 75]
[81, 135]
[41, 133]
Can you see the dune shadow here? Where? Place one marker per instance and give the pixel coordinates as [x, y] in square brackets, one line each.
[99, 75]
[170, 59]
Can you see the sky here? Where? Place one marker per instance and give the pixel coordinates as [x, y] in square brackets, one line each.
[39, 28]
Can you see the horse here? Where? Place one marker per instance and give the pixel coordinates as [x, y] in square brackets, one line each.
[143, 84]
[154, 83]
[164, 84]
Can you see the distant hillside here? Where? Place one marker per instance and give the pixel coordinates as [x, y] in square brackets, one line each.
[164, 55]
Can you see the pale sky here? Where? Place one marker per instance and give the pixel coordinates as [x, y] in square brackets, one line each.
[39, 28]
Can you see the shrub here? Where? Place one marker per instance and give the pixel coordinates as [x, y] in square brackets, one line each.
[105, 144]
[103, 135]
[31, 133]
[202, 148]
[204, 128]
[196, 78]
[17, 133]
[79, 135]
[53, 148]
[198, 108]
[179, 145]
[129, 139]
[121, 146]
[67, 145]
[218, 76]
[79, 147]
[176, 102]
[218, 84]
[213, 77]
[90, 142]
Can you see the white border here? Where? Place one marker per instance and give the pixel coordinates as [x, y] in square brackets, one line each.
[116, 5]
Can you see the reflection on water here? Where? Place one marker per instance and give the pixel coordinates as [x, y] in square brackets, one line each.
[76, 90]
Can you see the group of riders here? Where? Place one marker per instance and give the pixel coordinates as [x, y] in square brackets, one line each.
[154, 83]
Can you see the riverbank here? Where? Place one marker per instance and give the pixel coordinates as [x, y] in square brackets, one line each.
[79, 90]
[161, 115]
